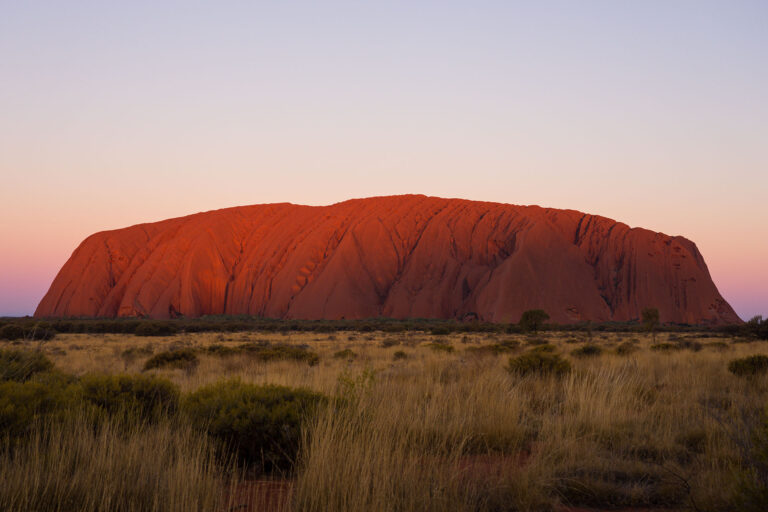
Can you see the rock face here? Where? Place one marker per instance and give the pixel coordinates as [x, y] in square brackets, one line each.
[401, 256]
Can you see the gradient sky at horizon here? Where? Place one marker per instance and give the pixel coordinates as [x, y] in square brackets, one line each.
[652, 113]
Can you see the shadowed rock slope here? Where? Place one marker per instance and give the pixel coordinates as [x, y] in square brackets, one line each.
[401, 256]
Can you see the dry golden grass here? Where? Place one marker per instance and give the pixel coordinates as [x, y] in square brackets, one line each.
[72, 466]
[456, 431]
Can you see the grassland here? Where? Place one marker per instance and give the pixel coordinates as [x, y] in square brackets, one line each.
[414, 421]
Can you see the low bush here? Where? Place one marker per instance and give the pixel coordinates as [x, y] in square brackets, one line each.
[687, 344]
[279, 352]
[183, 358]
[665, 347]
[261, 423]
[537, 362]
[155, 329]
[345, 354]
[749, 366]
[399, 355]
[587, 351]
[143, 397]
[22, 403]
[547, 348]
[217, 349]
[494, 349]
[37, 332]
[441, 347]
[11, 332]
[20, 365]
[626, 348]
[389, 343]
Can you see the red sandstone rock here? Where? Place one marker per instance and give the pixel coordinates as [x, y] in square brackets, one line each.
[401, 256]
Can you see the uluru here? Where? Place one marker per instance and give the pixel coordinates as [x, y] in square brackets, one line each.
[408, 256]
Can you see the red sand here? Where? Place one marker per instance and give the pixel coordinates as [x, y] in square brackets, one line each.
[401, 256]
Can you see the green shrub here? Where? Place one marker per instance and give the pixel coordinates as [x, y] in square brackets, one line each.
[626, 348]
[261, 423]
[441, 347]
[280, 352]
[587, 351]
[494, 349]
[748, 366]
[506, 346]
[694, 346]
[11, 332]
[143, 397]
[217, 349]
[37, 332]
[540, 363]
[155, 329]
[399, 355]
[345, 354]
[665, 347]
[20, 365]
[21, 403]
[183, 358]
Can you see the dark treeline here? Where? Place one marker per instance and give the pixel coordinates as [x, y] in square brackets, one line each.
[41, 329]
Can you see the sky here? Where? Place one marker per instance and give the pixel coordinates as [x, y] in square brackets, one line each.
[653, 113]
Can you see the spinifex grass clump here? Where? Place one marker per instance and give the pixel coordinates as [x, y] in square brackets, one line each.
[494, 348]
[440, 347]
[537, 362]
[546, 348]
[261, 423]
[626, 348]
[20, 365]
[280, 352]
[345, 354]
[666, 347]
[183, 358]
[749, 366]
[587, 351]
[217, 349]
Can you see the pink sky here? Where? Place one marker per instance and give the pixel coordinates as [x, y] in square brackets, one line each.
[654, 114]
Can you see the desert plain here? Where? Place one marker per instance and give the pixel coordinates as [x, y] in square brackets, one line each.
[411, 421]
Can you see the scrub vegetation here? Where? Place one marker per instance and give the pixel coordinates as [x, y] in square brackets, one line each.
[447, 420]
